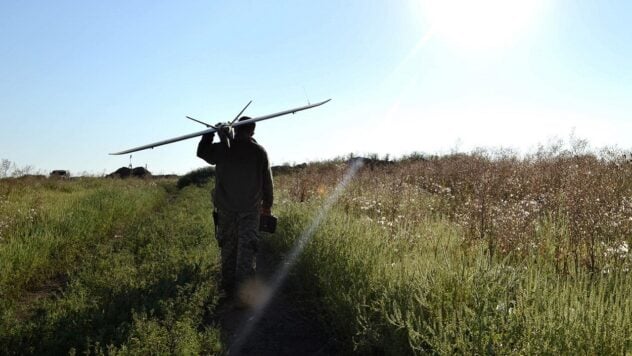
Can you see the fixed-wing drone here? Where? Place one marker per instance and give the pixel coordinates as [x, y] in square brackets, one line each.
[225, 128]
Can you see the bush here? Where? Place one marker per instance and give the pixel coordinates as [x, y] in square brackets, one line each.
[199, 177]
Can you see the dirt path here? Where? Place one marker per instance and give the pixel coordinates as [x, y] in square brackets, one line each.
[286, 327]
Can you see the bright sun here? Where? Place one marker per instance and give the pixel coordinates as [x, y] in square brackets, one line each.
[480, 24]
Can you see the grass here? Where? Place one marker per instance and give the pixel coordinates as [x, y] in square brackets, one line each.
[484, 253]
[451, 255]
[123, 267]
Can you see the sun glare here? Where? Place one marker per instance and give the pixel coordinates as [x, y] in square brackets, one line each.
[480, 24]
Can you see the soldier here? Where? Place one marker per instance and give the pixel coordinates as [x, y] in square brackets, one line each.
[243, 191]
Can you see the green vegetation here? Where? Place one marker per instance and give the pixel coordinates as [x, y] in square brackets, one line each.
[105, 265]
[467, 254]
[198, 177]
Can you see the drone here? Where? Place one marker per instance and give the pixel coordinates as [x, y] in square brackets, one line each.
[225, 129]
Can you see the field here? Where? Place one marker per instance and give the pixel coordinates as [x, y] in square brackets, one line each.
[484, 253]
[100, 265]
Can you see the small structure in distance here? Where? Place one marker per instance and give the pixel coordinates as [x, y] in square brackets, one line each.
[60, 174]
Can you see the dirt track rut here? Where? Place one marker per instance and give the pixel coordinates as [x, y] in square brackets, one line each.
[288, 326]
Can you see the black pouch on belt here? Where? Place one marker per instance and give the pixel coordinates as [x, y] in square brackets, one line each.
[267, 223]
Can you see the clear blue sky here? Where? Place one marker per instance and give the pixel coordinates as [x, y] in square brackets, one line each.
[80, 79]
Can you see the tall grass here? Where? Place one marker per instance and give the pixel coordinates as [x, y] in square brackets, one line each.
[102, 265]
[484, 253]
[470, 254]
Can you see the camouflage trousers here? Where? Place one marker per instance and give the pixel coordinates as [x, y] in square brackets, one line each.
[237, 234]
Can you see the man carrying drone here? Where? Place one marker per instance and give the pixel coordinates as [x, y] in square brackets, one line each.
[243, 189]
[243, 193]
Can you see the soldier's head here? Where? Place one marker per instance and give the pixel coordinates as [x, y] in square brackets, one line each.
[246, 130]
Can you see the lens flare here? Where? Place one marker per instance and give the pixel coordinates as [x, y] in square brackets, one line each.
[261, 295]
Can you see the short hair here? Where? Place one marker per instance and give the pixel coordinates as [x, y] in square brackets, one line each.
[246, 127]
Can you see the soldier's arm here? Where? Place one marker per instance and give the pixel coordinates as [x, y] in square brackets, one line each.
[207, 150]
[268, 186]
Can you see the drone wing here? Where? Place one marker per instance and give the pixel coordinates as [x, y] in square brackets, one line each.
[210, 130]
[164, 142]
[280, 113]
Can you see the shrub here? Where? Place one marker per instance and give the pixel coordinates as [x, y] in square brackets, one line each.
[199, 177]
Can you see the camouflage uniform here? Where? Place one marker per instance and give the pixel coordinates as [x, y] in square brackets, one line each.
[243, 185]
[237, 236]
